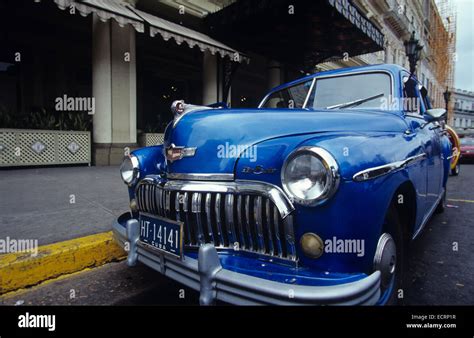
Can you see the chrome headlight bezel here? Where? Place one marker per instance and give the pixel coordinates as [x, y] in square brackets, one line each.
[130, 163]
[332, 174]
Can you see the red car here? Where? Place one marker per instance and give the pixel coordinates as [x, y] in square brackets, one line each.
[467, 148]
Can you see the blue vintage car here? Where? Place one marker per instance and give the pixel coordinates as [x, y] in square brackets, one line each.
[311, 198]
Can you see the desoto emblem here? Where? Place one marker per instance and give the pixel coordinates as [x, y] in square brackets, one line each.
[174, 153]
[258, 170]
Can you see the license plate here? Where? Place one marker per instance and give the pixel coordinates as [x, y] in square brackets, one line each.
[162, 234]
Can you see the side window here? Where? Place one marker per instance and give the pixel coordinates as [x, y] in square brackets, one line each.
[290, 97]
[413, 100]
[425, 98]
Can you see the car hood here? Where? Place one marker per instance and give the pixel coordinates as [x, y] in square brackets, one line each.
[464, 148]
[220, 135]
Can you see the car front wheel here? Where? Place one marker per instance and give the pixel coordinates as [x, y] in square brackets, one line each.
[390, 258]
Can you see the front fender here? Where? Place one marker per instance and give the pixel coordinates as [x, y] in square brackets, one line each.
[151, 161]
[357, 210]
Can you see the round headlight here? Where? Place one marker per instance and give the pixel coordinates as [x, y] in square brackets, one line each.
[129, 169]
[310, 175]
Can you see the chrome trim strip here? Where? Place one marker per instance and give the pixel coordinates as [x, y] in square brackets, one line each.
[177, 207]
[268, 217]
[385, 169]
[168, 201]
[229, 217]
[290, 237]
[142, 195]
[257, 214]
[148, 197]
[157, 191]
[218, 220]
[309, 93]
[207, 207]
[163, 206]
[277, 232]
[247, 222]
[160, 207]
[200, 177]
[153, 198]
[186, 216]
[196, 209]
[428, 215]
[239, 221]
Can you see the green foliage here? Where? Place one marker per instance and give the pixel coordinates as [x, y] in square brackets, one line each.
[40, 118]
[5, 118]
[157, 127]
[157, 124]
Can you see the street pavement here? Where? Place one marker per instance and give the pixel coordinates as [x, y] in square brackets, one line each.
[56, 204]
[437, 273]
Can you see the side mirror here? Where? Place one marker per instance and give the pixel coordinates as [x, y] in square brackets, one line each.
[435, 114]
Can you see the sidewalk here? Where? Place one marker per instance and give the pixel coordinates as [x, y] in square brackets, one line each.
[56, 204]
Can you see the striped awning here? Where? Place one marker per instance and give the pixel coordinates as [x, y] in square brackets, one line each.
[125, 14]
[180, 34]
[105, 10]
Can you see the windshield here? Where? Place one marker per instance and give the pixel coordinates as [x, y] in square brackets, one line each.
[368, 90]
[467, 141]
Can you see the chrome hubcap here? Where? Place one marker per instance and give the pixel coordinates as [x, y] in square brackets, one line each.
[385, 259]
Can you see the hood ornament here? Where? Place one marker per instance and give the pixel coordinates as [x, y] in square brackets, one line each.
[174, 153]
[179, 108]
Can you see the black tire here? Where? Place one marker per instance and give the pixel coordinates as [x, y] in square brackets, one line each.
[393, 226]
[442, 204]
[456, 170]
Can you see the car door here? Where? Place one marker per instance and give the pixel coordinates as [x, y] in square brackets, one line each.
[423, 139]
[435, 170]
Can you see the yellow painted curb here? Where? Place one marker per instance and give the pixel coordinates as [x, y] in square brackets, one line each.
[19, 270]
[459, 200]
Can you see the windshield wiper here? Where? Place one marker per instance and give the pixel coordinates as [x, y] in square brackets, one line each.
[354, 103]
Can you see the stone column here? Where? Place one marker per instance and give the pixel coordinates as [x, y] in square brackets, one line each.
[274, 76]
[387, 51]
[124, 92]
[101, 91]
[114, 89]
[210, 82]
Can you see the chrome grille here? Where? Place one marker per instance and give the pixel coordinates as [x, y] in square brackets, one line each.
[243, 221]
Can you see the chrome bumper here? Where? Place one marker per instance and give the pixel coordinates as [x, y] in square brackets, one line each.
[207, 276]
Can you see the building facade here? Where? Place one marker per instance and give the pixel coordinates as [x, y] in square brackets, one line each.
[463, 117]
[133, 58]
[397, 19]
